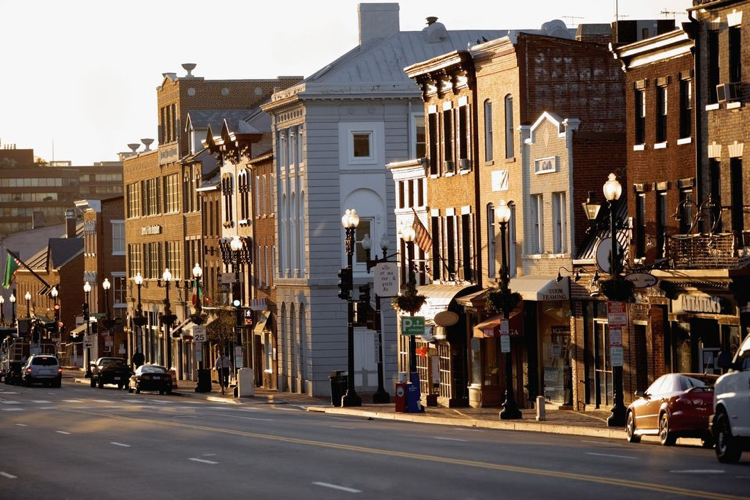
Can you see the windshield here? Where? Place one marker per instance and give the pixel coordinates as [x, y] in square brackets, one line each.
[114, 362]
[44, 361]
[690, 382]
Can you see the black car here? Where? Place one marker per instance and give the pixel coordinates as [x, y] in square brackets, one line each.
[110, 371]
[151, 378]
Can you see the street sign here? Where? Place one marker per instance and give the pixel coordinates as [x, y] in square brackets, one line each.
[617, 314]
[504, 343]
[199, 354]
[412, 325]
[616, 355]
[615, 337]
[386, 279]
[642, 280]
[238, 361]
[504, 327]
[199, 333]
[88, 341]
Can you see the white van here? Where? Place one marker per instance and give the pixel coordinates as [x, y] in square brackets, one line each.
[730, 423]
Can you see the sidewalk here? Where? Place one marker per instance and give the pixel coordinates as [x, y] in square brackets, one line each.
[574, 423]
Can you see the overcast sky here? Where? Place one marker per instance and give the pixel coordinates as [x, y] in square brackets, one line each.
[83, 73]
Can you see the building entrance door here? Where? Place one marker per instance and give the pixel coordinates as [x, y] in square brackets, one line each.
[602, 365]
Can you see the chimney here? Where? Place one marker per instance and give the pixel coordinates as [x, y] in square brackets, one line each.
[70, 224]
[377, 21]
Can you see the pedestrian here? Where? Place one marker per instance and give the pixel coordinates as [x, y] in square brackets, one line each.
[138, 359]
[223, 364]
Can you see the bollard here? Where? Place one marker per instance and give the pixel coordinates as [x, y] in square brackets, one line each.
[541, 413]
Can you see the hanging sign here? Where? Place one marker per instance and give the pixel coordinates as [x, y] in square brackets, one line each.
[386, 279]
[616, 355]
[642, 280]
[412, 325]
[617, 314]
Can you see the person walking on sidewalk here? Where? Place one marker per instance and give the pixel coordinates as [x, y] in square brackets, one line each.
[223, 364]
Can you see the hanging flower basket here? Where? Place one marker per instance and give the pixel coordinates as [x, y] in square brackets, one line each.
[617, 289]
[409, 301]
[502, 301]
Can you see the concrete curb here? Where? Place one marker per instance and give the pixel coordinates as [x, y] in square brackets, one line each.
[527, 426]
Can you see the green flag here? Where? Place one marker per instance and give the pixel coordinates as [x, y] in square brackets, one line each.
[11, 266]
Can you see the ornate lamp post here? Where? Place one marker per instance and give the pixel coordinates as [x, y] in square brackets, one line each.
[108, 322]
[56, 308]
[28, 304]
[87, 291]
[510, 409]
[408, 235]
[139, 320]
[236, 246]
[350, 221]
[381, 396]
[615, 289]
[167, 318]
[13, 307]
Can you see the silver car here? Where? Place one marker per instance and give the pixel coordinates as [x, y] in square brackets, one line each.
[44, 369]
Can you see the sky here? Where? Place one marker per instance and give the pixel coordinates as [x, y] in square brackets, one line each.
[78, 78]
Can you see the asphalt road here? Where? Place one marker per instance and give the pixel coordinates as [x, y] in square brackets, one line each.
[83, 443]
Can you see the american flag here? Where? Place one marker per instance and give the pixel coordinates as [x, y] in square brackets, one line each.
[422, 236]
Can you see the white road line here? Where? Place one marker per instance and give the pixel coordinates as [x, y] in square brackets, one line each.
[12, 409]
[63, 432]
[9, 476]
[102, 400]
[21, 425]
[608, 455]
[72, 401]
[119, 444]
[209, 455]
[337, 487]
[450, 439]
[284, 409]
[203, 461]
[342, 427]
[466, 429]
[607, 443]
[47, 407]
[698, 471]
[11, 403]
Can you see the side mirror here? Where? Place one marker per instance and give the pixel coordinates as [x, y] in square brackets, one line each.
[640, 394]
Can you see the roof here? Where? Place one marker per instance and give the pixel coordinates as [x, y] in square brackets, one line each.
[203, 118]
[57, 253]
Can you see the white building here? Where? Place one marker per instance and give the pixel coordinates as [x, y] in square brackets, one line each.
[333, 135]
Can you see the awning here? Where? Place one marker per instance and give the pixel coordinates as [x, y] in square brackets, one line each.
[475, 300]
[541, 288]
[260, 324]
[439, 298]
[181, 326]
[490, 327]
[78, 330]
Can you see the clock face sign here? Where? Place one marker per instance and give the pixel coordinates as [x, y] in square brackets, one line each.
[604, 254]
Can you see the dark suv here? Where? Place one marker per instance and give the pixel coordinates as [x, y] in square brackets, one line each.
[110, 371]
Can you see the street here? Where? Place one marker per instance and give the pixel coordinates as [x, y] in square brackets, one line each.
[78, 442]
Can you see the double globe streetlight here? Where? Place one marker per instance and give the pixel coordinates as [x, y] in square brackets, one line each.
[350, 221]
[87, 341]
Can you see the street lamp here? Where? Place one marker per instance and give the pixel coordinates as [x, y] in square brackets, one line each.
[54, 292]
[197, 274]
[381, 396]
[108, 323]
[28, 304]
[139, 320]
[350, 221]
[236, 246]
[13, 306]
[167, 318]
[408, 234]
[612, 192]
[87, 291]
[510, 409]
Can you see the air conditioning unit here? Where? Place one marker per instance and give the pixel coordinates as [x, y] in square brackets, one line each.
[728, 92]
[449, 166]
[464, 164]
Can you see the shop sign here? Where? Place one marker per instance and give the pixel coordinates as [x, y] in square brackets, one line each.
[703, 304]
[385, 282]
[412, 325]
[642, 280]
[446, 318]
[616, 355]
[505, 343]
[152, 229]
[617, 314]
[556, 291]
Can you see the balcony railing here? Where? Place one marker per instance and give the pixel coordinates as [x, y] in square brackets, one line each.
[704, 251]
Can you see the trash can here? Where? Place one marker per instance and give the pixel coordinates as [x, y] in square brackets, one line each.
[204, 380]
[338, 386]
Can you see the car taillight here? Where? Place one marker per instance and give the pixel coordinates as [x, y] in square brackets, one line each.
[698, 402]
[59, 370]
[146, 376]
[28, 370]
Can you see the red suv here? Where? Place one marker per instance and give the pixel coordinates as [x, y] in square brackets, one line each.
[676, 405]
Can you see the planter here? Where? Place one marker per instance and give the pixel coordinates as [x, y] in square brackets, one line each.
[502, 301]
[409, 302]
[617, 289]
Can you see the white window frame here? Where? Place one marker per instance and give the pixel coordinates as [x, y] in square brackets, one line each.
[559, 223]
[123, 276]
[361, 159]
[537, 224]
[376, 131]
[545, 165]
[416, 120]
[121, 223]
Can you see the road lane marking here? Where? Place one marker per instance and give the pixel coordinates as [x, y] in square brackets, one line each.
[11, 402]
[450, 439]
[698, 471]
[342, 427]
[608, 455]
[21, 425]
[610, 481]
[9, 476]
[12, 409]
[337, 487]
[602, 442]
[119, 444]
[63, 432]
[72, 401]
[203, 461]
[47, 407]
[107, 401]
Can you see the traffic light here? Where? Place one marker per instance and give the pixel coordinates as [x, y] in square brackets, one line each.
[345, 283]
[363, 304]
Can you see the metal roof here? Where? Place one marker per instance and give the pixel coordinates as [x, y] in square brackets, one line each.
[588, 248]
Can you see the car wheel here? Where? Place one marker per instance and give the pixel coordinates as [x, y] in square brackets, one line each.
[728, 450]
[666, 438]
[630, 429]
[707, 442]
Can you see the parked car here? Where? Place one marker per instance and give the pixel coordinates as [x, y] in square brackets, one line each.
[151, 378]
[110, 371]
[675, 405]
[730, 423]
[42, 368]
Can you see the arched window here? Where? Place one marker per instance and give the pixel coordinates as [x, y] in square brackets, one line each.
[488, 144]
[509, 152]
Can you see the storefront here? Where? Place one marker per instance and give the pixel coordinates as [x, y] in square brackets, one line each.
[264, 350]
[442, 353]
